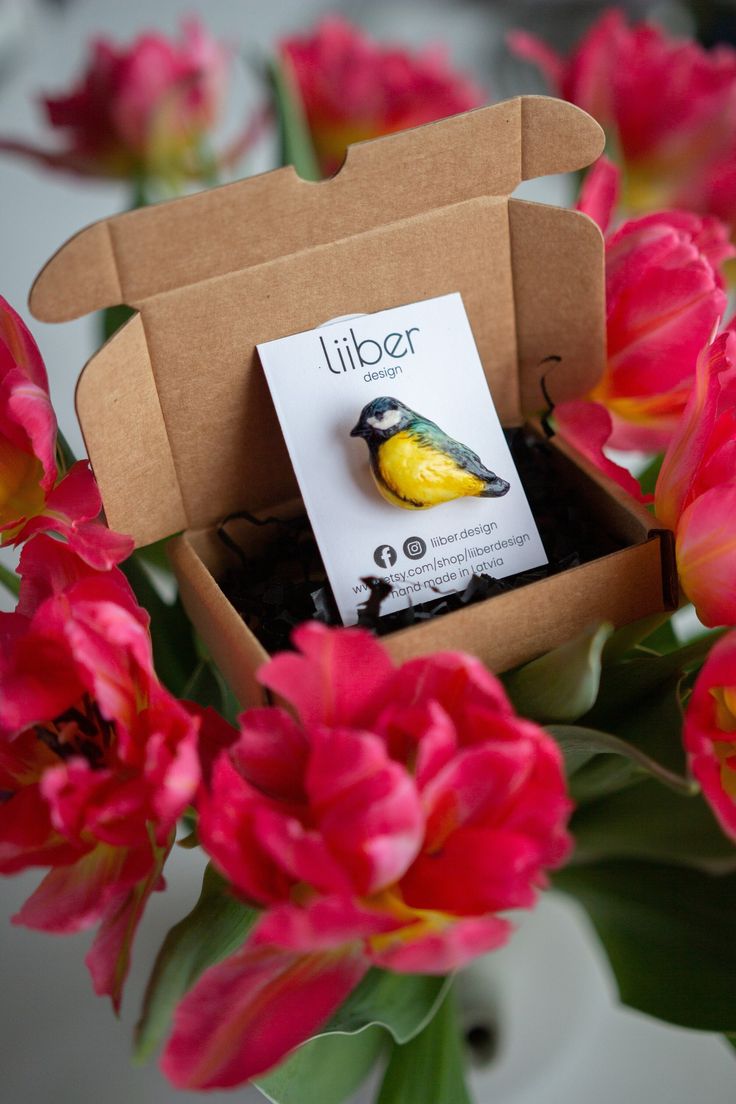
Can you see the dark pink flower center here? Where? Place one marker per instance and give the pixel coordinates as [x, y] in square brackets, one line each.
[81, 732]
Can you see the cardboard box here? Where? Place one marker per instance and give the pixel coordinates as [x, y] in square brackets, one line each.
[175, 411]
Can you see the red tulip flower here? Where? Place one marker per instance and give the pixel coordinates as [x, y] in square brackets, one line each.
[588, 426]
[666, 102]
[389, 825]
[31, 499]
[139, 111]
[664, 297]
[696, 489]
[353, 89]
[710, 732]
[97, 760]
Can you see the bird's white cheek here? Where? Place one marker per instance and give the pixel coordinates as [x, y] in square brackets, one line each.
[386, 420]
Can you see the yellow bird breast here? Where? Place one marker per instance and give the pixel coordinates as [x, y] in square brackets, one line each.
[416, 477]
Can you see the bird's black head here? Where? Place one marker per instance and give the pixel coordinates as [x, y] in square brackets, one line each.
[381, 418]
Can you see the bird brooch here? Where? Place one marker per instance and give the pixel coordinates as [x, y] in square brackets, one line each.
[415, 463]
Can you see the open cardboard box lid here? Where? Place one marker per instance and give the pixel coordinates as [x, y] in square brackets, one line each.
[175, 411]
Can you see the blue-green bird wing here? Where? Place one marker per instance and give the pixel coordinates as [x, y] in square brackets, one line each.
[429, 435]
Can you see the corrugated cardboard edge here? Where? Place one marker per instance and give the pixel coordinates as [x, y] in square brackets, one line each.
[145, 485]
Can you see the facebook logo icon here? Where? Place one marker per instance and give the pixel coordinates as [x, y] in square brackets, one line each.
[384, 556]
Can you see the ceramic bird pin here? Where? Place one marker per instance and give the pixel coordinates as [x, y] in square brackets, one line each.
[415, 463]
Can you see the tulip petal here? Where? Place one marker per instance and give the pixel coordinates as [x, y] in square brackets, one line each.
[530, 48]
[27, 836]
[108, 959]
[245, 1014]
[28, 422]
[453, 679]
[659, 325]
[710, 744]
[271, 753]
[476, 871]
[690, 441]
[336, 678]
[215, 736]
[21, 346]
[706, 555]
[599, 193]
[48, 567]
[587, 426]
[442, 951]
[70, 510]
[227, 820]
[30, 696]
[322, 924]
[423, 734]
[368, 807]
[72, 898]
[477, 784]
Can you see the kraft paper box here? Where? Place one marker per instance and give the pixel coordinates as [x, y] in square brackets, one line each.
[175, 410]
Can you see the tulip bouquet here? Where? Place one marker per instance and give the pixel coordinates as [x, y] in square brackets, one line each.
[376, 831]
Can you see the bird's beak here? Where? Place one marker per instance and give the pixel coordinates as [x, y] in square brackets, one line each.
[357, 430]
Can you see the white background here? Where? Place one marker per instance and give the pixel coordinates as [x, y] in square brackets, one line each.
[566, 1041]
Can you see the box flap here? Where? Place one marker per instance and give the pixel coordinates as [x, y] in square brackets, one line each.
[486, 152]
[174, 409]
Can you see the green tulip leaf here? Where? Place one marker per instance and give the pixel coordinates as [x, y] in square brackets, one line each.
[324, 1070]
[624, 685]
[401, 1003]
[217, 925]
[207, 687]
[648, 478]
[663, 640]
[621, 643]
[563, 684]
[640, 702]
[384, 1008]
[668, 933]
[592, 758]
[433, 1058]
[112, 318]
[294, 136]
[10, 580]
[648, 821]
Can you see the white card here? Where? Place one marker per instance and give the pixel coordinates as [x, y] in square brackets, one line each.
[423, 492]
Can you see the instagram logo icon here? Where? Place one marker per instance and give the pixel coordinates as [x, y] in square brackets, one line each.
[414, 548]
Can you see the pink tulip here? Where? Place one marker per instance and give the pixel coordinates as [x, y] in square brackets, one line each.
[696, 489]
[664, 297]
[587, 426]
[97, 760]
[711, 186]
[27, 424]
[31, 500]
[389, 825]
[710, 732]
[353, 89]
[666, 102]
[144, 110]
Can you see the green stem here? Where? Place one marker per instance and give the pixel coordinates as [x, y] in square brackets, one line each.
[64, 454]
[294, 136]
[9, 580]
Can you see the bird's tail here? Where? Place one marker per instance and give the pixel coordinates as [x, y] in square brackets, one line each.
[495, 487]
